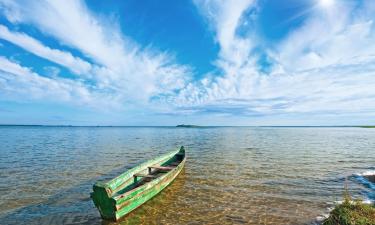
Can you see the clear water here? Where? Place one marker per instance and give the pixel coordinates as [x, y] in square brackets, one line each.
[233, 175]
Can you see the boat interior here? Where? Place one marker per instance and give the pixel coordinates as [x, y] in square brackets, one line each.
[150, 173]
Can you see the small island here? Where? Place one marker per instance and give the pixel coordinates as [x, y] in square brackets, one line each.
[367, 126]
[188, 126]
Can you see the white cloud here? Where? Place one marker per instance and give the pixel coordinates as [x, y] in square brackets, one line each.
[325, 66]
[337, 35]
[72, 24]
[225, 17]
[63, 58]
[10, 9]
[17, 80]
[120, 65]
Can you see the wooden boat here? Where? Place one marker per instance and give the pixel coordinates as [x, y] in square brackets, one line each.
[121, 195]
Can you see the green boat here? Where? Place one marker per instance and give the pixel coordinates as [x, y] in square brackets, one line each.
[119, 196]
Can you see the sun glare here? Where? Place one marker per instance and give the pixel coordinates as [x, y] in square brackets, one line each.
[326, 3]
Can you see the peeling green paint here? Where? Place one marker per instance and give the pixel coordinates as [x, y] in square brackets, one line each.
[121, 195]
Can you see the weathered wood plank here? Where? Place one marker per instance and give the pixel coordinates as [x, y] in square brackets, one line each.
[131, 189]
[164, 168]
[144, 175]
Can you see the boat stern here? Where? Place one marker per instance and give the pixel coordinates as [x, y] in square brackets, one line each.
[103, 201]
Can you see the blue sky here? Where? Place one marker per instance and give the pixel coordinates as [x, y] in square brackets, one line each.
[208, 62]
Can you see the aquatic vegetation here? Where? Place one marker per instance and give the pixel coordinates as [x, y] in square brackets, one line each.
[352, 213]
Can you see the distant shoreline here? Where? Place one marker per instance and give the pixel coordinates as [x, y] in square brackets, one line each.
[188, 126]
[183, 126]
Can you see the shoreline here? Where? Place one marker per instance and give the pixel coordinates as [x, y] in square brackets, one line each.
[186, 126]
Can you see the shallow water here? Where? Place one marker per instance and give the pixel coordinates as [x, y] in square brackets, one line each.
[233, 175]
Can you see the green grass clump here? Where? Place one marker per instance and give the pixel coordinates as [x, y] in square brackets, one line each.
[351, 213]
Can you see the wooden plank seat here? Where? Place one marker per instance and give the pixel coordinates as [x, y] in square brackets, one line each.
[121, 195]
[163, 168]
[144, 175]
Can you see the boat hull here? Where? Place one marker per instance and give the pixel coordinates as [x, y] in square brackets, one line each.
[150, 191]
[123, 194]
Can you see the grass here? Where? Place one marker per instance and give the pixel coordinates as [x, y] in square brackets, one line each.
[351, 213]
[367, 126]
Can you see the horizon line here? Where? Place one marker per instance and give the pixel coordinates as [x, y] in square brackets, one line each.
[197, 126]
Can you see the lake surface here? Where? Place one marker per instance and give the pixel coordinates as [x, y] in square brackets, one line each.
[233, 175]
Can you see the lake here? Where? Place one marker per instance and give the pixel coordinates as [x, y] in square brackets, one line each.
[233, 175]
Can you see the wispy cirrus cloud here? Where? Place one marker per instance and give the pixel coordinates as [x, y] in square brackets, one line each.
[118, 65]
[325, 66]
[20, 83]
[66, 59]
[225, 17]
[339, 35]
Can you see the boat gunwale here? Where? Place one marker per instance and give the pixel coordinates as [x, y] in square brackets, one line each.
[106, 194]
[177, 170]
[143, 165]
[151, 183]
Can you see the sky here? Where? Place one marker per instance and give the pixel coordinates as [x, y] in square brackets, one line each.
[204, 62]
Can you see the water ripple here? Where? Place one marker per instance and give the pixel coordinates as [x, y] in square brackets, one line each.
[232, 176]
